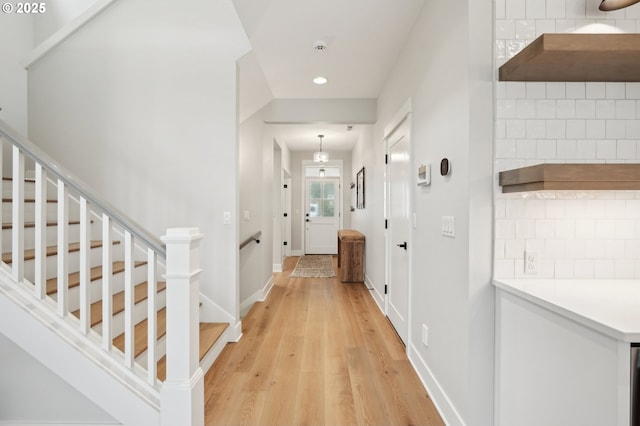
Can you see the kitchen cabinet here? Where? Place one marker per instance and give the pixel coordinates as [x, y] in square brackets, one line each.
[563, 351]
[567, 176]
[576, 57]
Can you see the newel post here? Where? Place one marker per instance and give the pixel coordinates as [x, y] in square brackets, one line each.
[182, 394]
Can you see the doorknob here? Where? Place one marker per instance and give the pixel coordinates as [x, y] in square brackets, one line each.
[403, 245]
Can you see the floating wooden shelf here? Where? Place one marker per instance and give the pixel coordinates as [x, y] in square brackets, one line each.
[576, 57]
[571, 176]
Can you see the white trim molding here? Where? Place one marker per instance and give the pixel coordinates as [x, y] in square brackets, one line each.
[258, 296]
[440, 399]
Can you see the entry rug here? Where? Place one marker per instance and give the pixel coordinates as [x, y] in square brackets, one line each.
[314, 266]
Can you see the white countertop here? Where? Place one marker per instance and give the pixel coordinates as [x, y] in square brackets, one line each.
[611, 307]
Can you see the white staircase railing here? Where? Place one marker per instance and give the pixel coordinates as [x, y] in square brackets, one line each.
[84, 225]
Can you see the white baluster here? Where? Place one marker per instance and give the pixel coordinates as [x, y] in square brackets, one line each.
[182, 393]
[129, 349]
[107, 299]
[63, 249]
[152, 319]
[40, 228]
[17, 213]
[85, 282]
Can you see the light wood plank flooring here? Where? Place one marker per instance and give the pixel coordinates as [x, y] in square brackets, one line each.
[316, 352]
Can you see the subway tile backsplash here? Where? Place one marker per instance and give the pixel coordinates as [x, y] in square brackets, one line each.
[575, 234]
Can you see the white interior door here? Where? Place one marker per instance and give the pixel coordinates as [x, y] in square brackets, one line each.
[399, 230]
[322, 215]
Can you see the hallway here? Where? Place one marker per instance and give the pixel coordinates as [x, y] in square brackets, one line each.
[316, 352]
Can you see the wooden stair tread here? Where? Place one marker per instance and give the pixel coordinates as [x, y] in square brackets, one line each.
[32, 224]
[140, 334]
[27, 200]
[30, 254]
[139, 295]
[95, 273]
[9, 178]
[210, 332]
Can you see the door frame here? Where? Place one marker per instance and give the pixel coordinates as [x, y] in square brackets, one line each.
[303, 190]
[401, 117]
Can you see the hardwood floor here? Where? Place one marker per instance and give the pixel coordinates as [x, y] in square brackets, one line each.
[316, 352]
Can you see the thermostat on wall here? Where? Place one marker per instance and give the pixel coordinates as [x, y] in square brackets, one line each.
[424, 174]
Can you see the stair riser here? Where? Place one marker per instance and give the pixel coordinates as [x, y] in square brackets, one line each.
[161, 350]
[29, 236]
[51, 266]
[117, 285]
[139, 312]
[29, 189]
[30, 212]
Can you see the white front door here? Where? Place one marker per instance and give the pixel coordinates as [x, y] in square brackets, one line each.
[322, 215]
[399, 230]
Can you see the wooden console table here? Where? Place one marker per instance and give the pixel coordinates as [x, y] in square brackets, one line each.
[351, 256]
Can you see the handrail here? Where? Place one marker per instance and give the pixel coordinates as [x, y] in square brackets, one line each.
[37, 154]
[255, 237]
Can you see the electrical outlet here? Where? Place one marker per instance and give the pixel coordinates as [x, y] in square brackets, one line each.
[425, 335]
[530, 262]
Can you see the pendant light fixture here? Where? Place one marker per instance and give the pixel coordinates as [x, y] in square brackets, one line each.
[320, 157]
[608, 5]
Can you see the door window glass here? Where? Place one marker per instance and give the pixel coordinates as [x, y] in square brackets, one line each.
[322, 199]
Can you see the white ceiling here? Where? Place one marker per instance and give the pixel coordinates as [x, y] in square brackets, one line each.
[364, 38]
[305, 137]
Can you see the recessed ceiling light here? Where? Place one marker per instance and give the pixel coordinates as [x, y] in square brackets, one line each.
[320, 80]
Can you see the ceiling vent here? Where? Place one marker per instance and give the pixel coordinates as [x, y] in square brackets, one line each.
[320, 45]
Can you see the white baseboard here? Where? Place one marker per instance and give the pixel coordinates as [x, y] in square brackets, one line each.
[440, 399]
[258, 296]
[31, 423]
[277, 267]
[296, 253]
[377, 297]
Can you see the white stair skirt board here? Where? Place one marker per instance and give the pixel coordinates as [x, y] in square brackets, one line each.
[124, 396]
[14, 423]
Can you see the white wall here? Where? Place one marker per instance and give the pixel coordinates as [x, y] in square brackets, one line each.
[255, 265]
[255, 183]
[446, 70]
[142, 105]
[16, 41]
[58, 14]
[31, 393]
[576, 234]
[369, 153]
